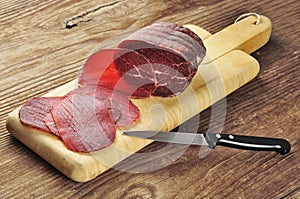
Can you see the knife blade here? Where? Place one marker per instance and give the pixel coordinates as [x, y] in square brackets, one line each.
[212, 140]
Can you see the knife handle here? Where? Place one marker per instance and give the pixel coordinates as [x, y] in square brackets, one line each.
[248, 142]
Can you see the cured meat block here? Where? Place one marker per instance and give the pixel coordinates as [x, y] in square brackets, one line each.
[83, 123]
[159, 78]
[170, 37]
[160, 60]
[34, 111]
[174, 53]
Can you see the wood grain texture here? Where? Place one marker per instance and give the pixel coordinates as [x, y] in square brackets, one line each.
[41, 49]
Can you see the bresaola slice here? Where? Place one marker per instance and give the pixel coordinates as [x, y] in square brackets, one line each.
[122, 110]
[129, 113]
[84, 123]
[85, 119]
[100, 70]
[34, 111]
[50, 123]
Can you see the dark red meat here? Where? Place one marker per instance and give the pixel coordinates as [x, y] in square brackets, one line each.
[49, 121]
[85, 119]
[100, 70]
[168, 36]
[122, 110]
[158, 60]
[83, 123]
[174, 53]
[34, 111]
[129, 113]
[160, 78]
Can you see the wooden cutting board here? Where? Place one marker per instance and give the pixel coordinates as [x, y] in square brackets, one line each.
[226, 67]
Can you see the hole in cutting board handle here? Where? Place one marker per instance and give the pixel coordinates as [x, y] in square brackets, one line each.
[258, 21]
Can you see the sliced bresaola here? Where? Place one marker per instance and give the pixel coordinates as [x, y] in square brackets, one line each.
[100, 70]
[174, 52]
[85, 119]
[83, 123]
[34, 111]
[122, 110]
[49, 121]
[129, 113]
[160, 60]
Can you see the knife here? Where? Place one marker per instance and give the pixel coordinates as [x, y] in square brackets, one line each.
[212, 140]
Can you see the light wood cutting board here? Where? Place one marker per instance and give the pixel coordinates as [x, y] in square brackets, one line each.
[226, 67]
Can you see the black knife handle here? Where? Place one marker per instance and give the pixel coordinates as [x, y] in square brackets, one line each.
[248, 142]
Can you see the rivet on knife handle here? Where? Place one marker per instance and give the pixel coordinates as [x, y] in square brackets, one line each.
[248, 142]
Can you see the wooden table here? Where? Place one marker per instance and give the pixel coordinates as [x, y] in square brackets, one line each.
[45, 43]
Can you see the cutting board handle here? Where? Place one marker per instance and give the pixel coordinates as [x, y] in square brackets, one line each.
[247, 34]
